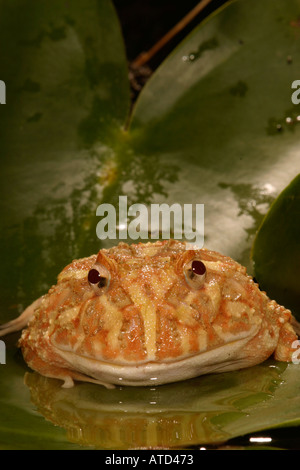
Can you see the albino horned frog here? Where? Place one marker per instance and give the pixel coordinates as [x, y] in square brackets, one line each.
[153, 313]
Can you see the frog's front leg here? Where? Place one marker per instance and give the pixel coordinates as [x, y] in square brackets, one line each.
[21, 321]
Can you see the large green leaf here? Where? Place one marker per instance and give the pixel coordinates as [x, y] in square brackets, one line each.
[210, 127]
[67, 93]
[276, 249]
[65, 72]
[214, 114]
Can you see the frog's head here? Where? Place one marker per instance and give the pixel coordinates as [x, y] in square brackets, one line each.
[147, 302]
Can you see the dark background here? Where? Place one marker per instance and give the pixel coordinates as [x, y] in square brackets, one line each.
[144, 22]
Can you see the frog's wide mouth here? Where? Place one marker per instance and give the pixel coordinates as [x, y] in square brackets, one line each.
[224, 358]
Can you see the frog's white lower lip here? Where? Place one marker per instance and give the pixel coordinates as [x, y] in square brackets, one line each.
[224, 358]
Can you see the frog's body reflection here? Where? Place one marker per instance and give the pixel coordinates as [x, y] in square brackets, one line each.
[188, 413]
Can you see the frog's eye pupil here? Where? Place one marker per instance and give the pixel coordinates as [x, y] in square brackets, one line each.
[195, 274]
[94, 276]
[198, 267]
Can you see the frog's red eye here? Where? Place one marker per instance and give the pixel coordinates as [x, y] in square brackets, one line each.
[94, 276]
[99, 278]
[195, 274]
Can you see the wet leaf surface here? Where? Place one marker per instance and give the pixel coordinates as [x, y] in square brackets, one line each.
[67, 94]
[208, 410]
[276, 249]
[212, 111]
